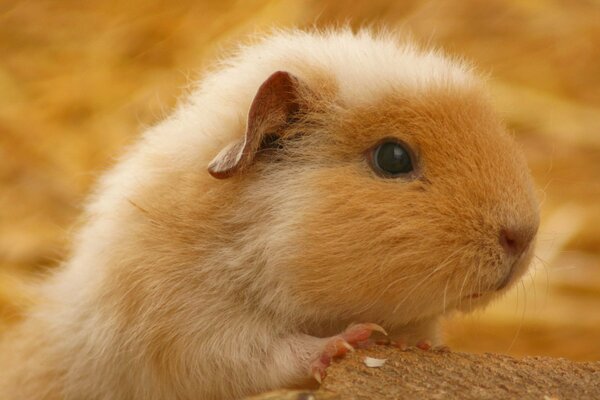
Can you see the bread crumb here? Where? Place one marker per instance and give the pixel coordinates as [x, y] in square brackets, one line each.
[374, 362]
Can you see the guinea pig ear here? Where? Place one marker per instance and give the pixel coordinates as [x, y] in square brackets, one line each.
[275, 101]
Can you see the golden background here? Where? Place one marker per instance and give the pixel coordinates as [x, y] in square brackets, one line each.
[80, 79]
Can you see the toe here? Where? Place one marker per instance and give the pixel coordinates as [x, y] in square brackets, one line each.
[336, 347]
[318, 368]
[361, 332]
[424, 345]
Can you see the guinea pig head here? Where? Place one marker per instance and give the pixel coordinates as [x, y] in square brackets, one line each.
[394, 208]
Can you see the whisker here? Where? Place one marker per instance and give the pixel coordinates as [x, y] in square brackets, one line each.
[460, 293]
[442, 265]
[522, 320]
[445, 293]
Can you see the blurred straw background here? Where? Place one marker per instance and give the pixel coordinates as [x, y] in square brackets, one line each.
[79, 80]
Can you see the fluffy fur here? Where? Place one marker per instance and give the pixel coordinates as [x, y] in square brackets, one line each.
[183, 286]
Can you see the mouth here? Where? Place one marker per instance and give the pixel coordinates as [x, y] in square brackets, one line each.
[505, 282]
[508, 279]
[502, 285]
[516, 269]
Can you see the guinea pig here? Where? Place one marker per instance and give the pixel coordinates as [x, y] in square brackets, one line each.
[315, 187]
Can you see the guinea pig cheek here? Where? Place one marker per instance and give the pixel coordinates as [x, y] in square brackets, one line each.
[353, 256]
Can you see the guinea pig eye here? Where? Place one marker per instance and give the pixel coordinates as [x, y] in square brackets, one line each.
[392, 159]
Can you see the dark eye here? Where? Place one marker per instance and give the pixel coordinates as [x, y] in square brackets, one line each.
[392, 159]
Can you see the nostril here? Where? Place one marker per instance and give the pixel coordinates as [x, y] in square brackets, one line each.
[507, 241]
[514, 241]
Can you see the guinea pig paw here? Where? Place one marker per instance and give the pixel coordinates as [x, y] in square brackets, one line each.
[335, 346]
[338, 346]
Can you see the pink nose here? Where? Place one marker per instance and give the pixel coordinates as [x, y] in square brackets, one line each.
[514, 241]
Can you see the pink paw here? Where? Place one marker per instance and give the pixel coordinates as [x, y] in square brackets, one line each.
[338, 346]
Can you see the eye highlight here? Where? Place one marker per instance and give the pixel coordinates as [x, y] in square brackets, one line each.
[392, 159]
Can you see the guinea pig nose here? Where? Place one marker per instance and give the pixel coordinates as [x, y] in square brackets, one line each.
[515, 240]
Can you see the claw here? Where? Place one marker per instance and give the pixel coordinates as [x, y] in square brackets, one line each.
[337, 346]
[317, 376]
[375, 327]
[347, 345]
[357, 333]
